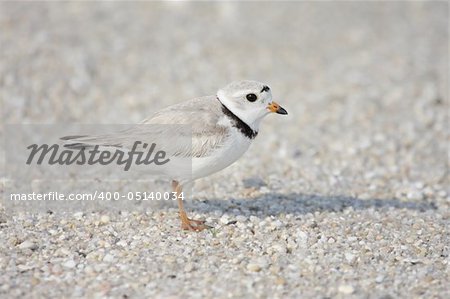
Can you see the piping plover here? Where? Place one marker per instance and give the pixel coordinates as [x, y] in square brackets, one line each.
[223, 127]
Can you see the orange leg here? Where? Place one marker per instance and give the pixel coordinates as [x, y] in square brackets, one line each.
[186, 223]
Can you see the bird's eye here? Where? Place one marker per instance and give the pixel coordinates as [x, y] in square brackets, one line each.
[251, 97]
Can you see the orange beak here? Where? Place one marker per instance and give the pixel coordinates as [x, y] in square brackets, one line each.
[274, 107]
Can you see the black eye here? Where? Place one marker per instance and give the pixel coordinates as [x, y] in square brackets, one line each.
[251, 97]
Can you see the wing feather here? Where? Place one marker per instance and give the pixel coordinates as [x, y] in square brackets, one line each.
[201, 115]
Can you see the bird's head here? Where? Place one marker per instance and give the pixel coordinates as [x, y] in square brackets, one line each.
[251, 101]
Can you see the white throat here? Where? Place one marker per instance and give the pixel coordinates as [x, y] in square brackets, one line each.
[250, 117]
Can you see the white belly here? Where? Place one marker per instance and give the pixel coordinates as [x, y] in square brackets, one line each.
[232, 150]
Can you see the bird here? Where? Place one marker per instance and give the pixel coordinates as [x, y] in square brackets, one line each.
[223, 126]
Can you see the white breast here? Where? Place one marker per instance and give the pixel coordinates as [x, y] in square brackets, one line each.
[233, 148]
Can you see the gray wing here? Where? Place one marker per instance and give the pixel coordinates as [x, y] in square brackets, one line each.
[200, 118]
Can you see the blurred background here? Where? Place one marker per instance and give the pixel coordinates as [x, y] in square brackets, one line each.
[346, 197]
[365, 84]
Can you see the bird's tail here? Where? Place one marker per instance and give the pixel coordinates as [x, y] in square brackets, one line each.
[86, 141]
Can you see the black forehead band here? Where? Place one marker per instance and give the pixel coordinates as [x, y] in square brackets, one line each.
[265, 88]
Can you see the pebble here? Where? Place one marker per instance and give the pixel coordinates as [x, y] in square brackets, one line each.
[224, 219]
[346, 289]
[108, 258]
[104, 219]
[254, 267]
[241, 218]
[24, 268]
[415, 195]
[27, 244]
[70, 264]
[189, 267]
[352, 239]
[350, 257]
[254, 219]
[302, 237]
[279, 248]
[78, 215]
[4, 287]
[277, 224]
[254, 182]
[122, 243]
[379, 278]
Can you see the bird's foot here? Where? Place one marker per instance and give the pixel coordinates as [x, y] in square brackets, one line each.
[194, 225]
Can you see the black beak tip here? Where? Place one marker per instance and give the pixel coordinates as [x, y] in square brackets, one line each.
[282, 111]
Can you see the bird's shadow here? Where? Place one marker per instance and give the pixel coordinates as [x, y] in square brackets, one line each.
[273, 204]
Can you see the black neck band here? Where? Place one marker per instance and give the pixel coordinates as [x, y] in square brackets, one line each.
[238, 123]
